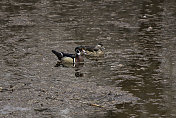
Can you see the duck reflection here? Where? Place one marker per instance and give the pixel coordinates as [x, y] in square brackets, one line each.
[77, 67]
[78, 73]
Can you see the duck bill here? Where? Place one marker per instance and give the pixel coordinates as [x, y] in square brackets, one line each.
[84, 52]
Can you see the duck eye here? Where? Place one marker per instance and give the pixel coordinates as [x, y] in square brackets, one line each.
[77, 51]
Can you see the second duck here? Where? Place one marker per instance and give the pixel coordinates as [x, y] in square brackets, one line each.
[94, 51]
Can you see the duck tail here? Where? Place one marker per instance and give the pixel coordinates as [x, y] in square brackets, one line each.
[58, 54]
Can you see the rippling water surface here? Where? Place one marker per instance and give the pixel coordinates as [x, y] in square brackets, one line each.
[140, 55]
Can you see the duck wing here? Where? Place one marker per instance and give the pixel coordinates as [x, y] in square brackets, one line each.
[68, 55]
[60, 55]
[89, 48]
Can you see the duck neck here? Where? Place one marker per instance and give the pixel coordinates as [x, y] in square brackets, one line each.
[79, 58]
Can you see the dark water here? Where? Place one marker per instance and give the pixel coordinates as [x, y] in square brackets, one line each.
[140, 42]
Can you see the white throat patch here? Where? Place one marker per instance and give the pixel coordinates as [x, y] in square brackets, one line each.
[79, 54]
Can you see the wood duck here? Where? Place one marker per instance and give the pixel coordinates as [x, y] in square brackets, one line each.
[96, 51]
[67, 58]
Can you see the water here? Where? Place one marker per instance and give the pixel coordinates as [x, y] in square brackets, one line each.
[139, 37]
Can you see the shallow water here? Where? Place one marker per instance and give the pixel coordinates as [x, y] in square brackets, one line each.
[140, 55]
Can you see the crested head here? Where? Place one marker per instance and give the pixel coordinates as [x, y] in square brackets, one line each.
[81, 49]
[78, 51]
[99, 46]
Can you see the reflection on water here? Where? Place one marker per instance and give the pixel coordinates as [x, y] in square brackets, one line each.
[139, 37]
[76, 66]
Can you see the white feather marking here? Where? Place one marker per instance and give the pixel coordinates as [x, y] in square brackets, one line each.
[62, 54]
[79, 54]
[74, 60]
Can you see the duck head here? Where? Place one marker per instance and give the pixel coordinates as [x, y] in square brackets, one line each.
[78, 53]
[99, 46]
[81, 50]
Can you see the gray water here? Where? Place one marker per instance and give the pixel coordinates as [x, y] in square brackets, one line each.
[140, 57]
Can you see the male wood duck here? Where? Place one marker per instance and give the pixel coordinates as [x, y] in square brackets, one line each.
[67, 58]
[96, 51]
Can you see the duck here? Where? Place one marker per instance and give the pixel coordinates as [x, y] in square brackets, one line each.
[94, 51]
[67, 58]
